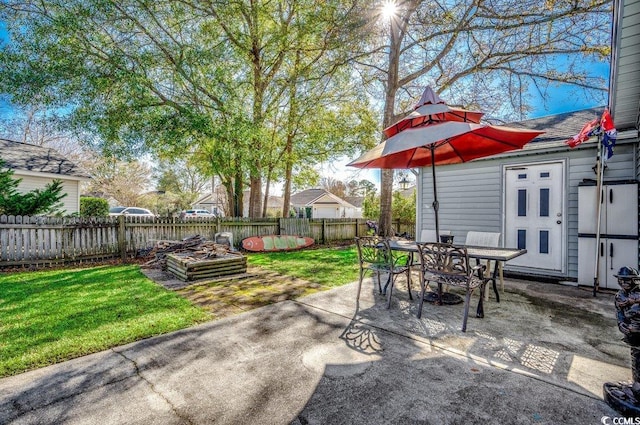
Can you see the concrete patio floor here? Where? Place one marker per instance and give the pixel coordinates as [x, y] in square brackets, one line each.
[540, 356]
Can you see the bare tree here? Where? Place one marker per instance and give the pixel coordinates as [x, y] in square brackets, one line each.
[125, 182]
[331, 185]
[484, 55]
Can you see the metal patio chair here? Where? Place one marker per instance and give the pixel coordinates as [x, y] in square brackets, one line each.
[487, 239]
[445, 264]
[375, 255]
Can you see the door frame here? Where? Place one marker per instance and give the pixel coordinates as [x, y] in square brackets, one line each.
[565, 215]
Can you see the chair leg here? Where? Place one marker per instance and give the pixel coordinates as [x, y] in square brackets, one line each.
[390, 291]
[467, 301]
[487, 273]
[379, 285]
[423, 288]
[501, 276]
[409, 283]
[360, 283]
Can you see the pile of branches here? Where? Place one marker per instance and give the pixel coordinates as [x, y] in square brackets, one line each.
[194, 248]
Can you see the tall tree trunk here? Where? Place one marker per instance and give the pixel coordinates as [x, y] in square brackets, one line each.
[238, 194]
[255, 195]
[288, 149]
[386, 178]
[286, 207]
[265, 199]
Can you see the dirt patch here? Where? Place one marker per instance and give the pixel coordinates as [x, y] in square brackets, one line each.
[227, 296]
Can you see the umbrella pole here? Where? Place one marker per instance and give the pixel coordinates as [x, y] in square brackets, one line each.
[435, 192]
[599, 173]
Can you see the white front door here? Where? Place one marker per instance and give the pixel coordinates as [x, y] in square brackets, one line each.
[534, 215]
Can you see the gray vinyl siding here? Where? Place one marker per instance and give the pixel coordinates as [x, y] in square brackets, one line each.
[471, 194]
[626, 81]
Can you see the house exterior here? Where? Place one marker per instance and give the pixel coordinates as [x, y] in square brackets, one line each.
[319, 203]
[216, 202]
[38, 166]
[485, 194]
[357, 202]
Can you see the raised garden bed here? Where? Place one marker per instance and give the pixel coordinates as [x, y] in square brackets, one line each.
[186, 267]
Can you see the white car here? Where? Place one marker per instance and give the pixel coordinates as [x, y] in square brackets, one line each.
[198, 213]
[131, 211]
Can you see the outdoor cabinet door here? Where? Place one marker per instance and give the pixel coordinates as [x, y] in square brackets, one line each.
[587, 261]
[621, 201]
[587, 210]
[620, 253]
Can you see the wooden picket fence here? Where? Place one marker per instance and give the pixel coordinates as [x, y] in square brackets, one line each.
[42, 241]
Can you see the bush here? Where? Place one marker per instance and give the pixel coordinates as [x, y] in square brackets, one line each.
[35, 202]
[93, 207]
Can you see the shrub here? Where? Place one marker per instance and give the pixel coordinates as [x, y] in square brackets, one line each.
[35, 202]
[93, 207]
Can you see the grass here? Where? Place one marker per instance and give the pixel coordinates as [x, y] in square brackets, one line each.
[329, 267]
[51, 316]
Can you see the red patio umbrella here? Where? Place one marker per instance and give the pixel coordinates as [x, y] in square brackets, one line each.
[431, 109]
[446, 142]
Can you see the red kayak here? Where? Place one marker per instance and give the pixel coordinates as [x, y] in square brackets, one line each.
[270, 243]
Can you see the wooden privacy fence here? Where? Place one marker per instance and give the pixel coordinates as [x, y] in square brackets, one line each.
[33, 241]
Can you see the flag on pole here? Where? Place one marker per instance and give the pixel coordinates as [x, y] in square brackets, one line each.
[587, 131]
[610, 134]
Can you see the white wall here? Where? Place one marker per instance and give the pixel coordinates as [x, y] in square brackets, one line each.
[71, 202]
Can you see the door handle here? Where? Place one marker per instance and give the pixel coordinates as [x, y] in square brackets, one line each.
[611, 255]
[601, 249]
[611, 196]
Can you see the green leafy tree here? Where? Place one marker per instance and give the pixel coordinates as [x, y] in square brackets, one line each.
[360, 188]
[241, 80]
[93, 207]
[371, 205]
[35, 202]
[404, 208]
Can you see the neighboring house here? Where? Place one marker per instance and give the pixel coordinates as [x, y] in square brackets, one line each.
[215, 202]
[318, 203]
[38, 166]
[490, 194]
[274, 205]
[356, 211]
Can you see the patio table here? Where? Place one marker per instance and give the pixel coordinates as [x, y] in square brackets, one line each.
[479, 253]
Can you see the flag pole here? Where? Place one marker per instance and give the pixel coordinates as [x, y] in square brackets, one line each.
[599, 173]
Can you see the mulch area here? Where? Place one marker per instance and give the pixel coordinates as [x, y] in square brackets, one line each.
[232, 295]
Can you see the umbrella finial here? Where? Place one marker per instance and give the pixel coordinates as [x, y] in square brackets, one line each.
[428, 96]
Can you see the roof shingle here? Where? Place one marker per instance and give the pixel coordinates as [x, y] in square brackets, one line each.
[26, 157]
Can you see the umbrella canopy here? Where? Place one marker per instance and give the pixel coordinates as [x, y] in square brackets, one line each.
[448, 142]
[431, 109]
[451, 142]
[429, 114]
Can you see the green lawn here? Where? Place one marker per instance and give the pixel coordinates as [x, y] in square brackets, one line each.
[50, 316]
[328, 266]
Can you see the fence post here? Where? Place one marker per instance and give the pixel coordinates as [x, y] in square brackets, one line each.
[324, 230]
[280, 226]
[357, 232]
[122, 241]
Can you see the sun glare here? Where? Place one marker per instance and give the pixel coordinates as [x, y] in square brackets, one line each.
[389, 10]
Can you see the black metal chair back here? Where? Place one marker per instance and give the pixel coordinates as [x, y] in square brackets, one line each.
[375, 255]
[445, 264]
